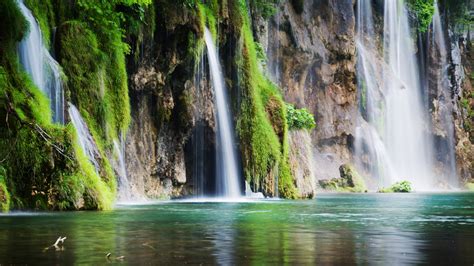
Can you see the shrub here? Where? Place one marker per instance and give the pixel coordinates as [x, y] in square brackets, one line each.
[299, 118]
[399, 187]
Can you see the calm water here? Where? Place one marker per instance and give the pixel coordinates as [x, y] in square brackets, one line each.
[334, 228]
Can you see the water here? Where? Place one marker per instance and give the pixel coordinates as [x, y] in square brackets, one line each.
[399, 146]
[84, 137]
[40, 65]
[370, 151]
[228, 173]
[124, 187]
[332, 229]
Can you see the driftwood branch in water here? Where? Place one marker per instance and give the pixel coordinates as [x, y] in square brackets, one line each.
[107, 256]
[58, 245]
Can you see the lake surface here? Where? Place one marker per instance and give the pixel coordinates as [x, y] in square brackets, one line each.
[334, 228]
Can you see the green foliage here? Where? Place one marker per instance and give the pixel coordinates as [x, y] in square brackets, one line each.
[399, 187]
[424, 10]
[460, 16]
[265, 8]
[4, 194]
[299, 118]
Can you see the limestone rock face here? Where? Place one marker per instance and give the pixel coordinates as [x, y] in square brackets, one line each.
[464, 123]
[311, 55]
[302, 162]
[164, 106]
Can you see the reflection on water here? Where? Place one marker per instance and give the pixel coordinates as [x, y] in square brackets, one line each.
[334, 228]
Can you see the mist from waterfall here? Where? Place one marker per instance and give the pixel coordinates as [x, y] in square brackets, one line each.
[227, 178]
[40, 65]
[393, 140]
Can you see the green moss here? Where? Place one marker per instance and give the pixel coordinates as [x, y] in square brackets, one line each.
[350, 181]
[43, 13]
[399, 187]
[262, 125]
[4, 194]
[45, 166]
[97, 80]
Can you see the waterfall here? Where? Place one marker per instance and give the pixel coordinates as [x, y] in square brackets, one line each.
[228, 174]
[444, 114]
[40, 65]
[124, 188]
[370, 151]
[84, 137]
[393, 132]
[198, 137]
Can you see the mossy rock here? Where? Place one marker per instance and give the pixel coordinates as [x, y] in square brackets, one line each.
[350, 181]
[399, 187]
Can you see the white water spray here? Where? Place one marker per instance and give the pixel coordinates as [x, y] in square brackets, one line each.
[228, 174]
[40, 65]
[86, 142]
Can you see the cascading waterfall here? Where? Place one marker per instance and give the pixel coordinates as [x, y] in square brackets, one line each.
[124, 188]
[86, 142]
[444, 103]
[40, 65]
[406, 132]
[227, 174]
[397, 137]
[370, 151]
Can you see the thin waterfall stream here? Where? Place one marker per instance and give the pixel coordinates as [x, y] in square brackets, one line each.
[41, 66]
[86, 142]
[228, 173]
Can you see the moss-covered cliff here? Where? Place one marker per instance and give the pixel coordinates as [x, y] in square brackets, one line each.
[135, 69]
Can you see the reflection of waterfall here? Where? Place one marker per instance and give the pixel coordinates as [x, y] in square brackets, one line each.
[443, 114]
[84, 137]
[227, 174]
[394, 144]
[42, 68]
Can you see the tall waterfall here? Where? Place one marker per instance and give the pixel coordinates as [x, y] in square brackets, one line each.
[40, 65]
[228, 174]
[86, 142]
[394, 129]
[444, 113]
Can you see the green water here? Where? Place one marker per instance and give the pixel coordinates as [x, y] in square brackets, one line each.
[334, 228]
